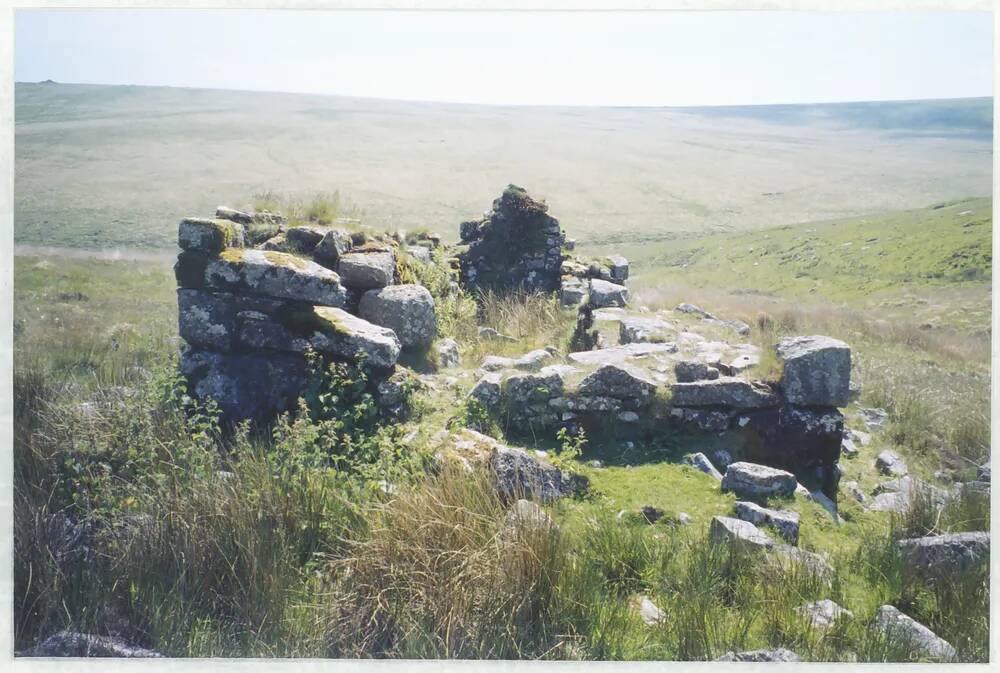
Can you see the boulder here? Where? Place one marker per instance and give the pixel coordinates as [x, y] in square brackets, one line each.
[756, 656]
[639, 329]
[72, 644]
[367, 270]
[824, 613]
[738, 534]
[620, 381]
[725, 391]
[408, 310]
[689, 371]
[948, 553]
[274, 274]
[889, 463]
[816, 371]
[234, 215]
[700, 462]
[348, 336]
[786, 523]
[518, 474]
[209, 236]
[905, 630]
[758, 481]
[448, 354]
[604, 294]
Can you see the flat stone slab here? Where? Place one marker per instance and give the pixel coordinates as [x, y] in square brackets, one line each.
[786, 523]
[209, 236]
[275, 274]
[340, 333]
[824, 613]
[630, 353]
[742, 534]
[604, 294]
[890, 463]
[620, 381]
[725, 391]
[642, 329]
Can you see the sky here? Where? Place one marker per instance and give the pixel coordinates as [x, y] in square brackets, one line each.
[521, 58]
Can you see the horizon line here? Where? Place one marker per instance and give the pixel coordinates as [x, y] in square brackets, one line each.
[524, 105]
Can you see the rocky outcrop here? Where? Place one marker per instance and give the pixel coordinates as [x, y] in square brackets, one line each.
[517, 245]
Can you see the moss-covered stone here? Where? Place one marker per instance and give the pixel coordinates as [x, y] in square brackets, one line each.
[209, 236]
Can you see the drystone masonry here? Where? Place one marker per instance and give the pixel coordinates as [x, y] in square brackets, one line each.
[250, 315]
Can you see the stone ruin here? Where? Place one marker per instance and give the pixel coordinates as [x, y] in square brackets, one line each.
[254, 296]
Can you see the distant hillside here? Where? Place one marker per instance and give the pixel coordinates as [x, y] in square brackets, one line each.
[892, 262]
[99, 166]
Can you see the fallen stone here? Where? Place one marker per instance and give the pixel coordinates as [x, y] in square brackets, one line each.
[367, 270]
[275, 274]
[739, 534]
[572, 292]
[824, 613]
[647, 610]
[904, 629]
[234, 215]
[780, 654]
[889, 462]
[875, 419]
[725, 391]
[694, 310]
[419, 253]
[786, 523]
[855, 491]
[520, 475]
[948, 553]
[448, 354]
[490, 334]
[701, 463]
[408, 310]
[758, 481]
[847, 448]
[618, 267]
[604, 294]
[816, 371]
[858, 437]
[72, 644]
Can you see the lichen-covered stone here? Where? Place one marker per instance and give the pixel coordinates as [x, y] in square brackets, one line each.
[348, 336]
[335, 242]
[824, 613]
[618, 267]
[948, 553]
[725, 391]
[246, 386]
[408, 310]
[487, 391]
[903, 629]
[689, 371]
[518, 474]
[604, 294]
[758, 481]
[275, 274]
[448, 354]
[620, 381]
[303, 238]
[209, 236]
[640, 329]
[816, 371]
[367, 270]
[890, 463]
[630, 353]
[786, 522]
[700, 462]
[738, 534]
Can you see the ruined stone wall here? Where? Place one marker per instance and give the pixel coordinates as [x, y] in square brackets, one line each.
[249, 315]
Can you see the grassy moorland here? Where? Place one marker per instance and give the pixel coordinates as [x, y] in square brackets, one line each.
[288, 542]
[117, 166]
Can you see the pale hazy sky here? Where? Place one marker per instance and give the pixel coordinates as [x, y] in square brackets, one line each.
[648, 58]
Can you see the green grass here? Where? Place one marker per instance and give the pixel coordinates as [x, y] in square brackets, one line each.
[930, 266]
